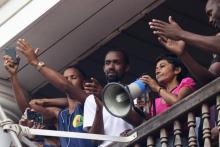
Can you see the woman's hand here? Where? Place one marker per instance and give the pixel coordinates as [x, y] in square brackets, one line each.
[154, 86]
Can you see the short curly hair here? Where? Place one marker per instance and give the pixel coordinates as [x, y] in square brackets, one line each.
[172, 59]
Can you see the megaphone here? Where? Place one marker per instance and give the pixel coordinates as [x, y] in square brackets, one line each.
[118, 99]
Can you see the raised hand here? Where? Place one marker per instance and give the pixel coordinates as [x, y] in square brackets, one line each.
[30, 53]
[10, 65]
[93, 87]
[176, 47]
[170, 30]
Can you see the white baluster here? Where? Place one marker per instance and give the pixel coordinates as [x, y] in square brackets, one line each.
[192, 133]
[177, 134]
[206, 130]
[150, 141]
[163, 138]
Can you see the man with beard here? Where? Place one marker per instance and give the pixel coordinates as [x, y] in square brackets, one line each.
[173, 37]
[96, 118]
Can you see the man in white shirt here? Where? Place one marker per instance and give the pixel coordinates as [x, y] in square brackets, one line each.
[96, 118]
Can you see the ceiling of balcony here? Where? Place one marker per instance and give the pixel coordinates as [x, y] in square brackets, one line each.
[80, 32]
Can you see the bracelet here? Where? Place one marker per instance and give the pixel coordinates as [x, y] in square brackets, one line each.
[160, 90]
[39, 65]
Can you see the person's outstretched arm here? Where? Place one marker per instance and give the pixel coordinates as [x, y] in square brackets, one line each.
[51, 102]
[48, 112]
[199, 72]
[55, 78]
[173, 31]
[12, 68]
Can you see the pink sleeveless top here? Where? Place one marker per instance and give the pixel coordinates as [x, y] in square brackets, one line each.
[161, 106]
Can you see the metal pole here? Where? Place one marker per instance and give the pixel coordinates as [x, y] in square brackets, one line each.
[28, 142]
[13, 135]
[79, 135]
[26, 131]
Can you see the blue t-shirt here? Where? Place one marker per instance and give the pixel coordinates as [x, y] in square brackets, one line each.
[48, 145]
[72, 123]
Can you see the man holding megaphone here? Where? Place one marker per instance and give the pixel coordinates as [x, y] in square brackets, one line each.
[96, 118]
[172, 84]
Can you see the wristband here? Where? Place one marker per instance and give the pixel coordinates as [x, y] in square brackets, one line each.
[39, 65]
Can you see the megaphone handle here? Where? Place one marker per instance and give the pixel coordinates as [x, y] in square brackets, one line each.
[154, 107]
[152, 101]
[141, 113]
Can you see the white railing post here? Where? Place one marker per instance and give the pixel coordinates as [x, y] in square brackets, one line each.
[150, 141]
[177, 134]
[192, 132]
[13, 135]
[163, 137]
[206, 126]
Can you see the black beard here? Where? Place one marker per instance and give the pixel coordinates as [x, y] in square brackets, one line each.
[218, 25]
[110, 79]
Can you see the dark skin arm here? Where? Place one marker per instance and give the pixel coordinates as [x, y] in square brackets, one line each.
[19, 94]
[20, 97]
[206, 43]
[215, 69]
[47, 112]
[134, 118]
[214, 135]
[55, 78]
[62, 84]
[98, 124]
[201, 73]
[55, 102]
[173, 31]
[94, 87]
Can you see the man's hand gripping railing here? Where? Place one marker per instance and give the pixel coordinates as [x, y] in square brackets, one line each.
[19, 130]
[14, 130]
[25, 131]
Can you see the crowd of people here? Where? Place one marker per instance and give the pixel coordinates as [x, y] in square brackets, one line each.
[82, 109]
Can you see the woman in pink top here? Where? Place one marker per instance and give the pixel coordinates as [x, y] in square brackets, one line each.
[172, 82]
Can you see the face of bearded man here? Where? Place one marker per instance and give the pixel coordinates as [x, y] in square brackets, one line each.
[114, 67]
[213, 12]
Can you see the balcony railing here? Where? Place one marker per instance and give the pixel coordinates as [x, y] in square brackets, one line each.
[182, 115]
